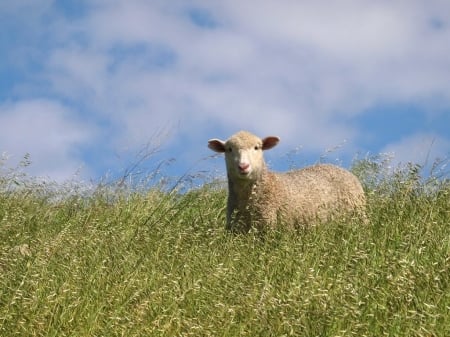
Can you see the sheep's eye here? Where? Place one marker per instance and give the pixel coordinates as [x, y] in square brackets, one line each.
[229, 149]
[256, 147]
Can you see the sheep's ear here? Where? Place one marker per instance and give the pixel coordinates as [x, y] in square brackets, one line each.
[269, 142]
[216, 145]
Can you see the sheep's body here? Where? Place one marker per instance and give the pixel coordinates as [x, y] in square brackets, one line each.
[260, 198]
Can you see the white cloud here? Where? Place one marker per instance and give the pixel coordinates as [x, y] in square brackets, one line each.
[420, 148]
[78, 73]
[323, 57]
[45, 130]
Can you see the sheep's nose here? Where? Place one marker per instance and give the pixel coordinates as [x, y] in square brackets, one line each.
[243, 167]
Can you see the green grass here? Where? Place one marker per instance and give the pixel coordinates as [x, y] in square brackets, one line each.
[161, 264]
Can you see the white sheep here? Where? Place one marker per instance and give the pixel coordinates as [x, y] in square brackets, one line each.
[260, 198]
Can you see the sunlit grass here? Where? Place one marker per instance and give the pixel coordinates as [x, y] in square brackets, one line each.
[116, 262]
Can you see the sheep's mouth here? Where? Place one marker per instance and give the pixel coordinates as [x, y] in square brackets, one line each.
[244, 174]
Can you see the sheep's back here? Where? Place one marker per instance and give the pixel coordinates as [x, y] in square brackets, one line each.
[319, 191]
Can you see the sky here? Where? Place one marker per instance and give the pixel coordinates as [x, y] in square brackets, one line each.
[88, 86]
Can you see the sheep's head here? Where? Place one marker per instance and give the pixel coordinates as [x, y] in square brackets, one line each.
[244, 154]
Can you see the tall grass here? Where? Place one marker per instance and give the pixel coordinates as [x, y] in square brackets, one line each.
[116, 262]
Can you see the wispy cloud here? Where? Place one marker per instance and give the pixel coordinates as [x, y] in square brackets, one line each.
[427, 149]
[49, 132]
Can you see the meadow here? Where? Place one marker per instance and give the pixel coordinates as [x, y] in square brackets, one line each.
[129, 261]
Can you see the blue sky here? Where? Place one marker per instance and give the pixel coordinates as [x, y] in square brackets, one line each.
[85, 85]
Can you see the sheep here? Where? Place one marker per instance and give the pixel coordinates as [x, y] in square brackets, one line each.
[261, 199]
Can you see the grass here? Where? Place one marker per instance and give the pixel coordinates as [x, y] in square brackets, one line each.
[160, 263]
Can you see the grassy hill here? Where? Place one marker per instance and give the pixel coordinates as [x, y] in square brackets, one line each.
[119, 262]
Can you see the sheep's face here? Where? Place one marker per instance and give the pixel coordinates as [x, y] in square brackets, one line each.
[244, 154]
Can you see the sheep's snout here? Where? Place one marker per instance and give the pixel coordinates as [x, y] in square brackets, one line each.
[244, 168]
